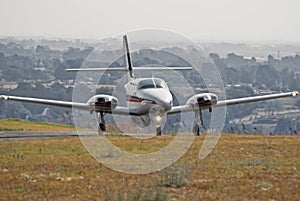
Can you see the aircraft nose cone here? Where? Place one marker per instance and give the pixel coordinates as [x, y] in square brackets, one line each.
[164, 99]
[161, 97]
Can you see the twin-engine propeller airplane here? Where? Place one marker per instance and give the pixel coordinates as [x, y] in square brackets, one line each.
[147, 97]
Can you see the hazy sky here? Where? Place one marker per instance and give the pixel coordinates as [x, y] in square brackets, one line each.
[222, 20]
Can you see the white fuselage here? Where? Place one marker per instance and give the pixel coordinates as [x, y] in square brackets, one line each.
[148, 96]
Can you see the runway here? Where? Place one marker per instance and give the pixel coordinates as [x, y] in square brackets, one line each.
[22, 135]
[30, 135]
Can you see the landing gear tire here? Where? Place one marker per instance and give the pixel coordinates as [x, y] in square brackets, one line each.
[102, 127]
[158, 130]
[196, 129]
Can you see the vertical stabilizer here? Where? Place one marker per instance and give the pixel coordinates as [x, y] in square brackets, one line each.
[127, 56]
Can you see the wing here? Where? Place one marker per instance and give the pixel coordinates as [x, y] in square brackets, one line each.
[65, 104]
[220, 103]
[255, 99]
[182, 108]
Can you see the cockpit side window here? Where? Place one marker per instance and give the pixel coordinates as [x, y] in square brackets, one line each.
[159, 83]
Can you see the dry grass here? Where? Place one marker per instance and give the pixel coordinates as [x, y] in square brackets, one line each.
[20, 125]
[241, 167]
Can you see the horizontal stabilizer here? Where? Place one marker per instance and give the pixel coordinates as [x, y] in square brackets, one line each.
[95, 69]
[148, 68]
[158, 68]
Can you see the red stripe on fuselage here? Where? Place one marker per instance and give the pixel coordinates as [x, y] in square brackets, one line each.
[134, 100]
[139, 100]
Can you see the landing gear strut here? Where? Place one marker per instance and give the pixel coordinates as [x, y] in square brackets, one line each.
[198, 118]
[158, 125]
[101, 126]
[158, 130]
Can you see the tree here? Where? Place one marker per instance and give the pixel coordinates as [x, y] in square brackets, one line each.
[267, 75]
[235, 60]
[61, 74]
[13, 73]
[72, 53]
[298, 103]
[273, 105]
[284, 125]
[294, 84]
[231, 75]
[246, 76]
[42, 49]
[2, 61]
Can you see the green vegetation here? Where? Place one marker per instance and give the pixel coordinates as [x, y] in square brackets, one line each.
[36, 68]
[20, 125]
[241, 167]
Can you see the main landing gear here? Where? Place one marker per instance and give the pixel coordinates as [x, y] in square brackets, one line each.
[158, 125]
[101, 126]
[198, 118]
[158, 130]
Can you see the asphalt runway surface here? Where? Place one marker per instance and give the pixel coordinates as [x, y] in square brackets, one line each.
[22, 135]
[30, 135]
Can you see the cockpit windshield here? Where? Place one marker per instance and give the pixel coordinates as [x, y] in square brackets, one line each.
[151, 83]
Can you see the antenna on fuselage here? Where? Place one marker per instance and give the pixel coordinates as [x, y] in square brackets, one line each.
[127, 56]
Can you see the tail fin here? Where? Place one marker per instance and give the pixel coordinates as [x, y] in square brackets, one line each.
[127, 56]
[148, 68]
[128, 63]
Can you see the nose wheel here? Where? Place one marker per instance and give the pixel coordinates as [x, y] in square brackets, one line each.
[158, 125]
[102, 127]
[158, 130]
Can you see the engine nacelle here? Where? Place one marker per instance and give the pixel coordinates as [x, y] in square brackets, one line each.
[101, 103]
[205, 100]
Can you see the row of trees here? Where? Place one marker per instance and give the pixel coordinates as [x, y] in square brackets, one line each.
[274, 74]
[42, 65]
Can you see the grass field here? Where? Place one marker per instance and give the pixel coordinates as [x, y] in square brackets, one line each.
[20, 125]
[241, 167]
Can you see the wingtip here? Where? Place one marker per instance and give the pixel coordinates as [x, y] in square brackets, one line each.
[3, 97]
[295, 93]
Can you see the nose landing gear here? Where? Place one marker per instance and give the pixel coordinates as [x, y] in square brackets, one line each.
[158, 130]
[158, 125]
